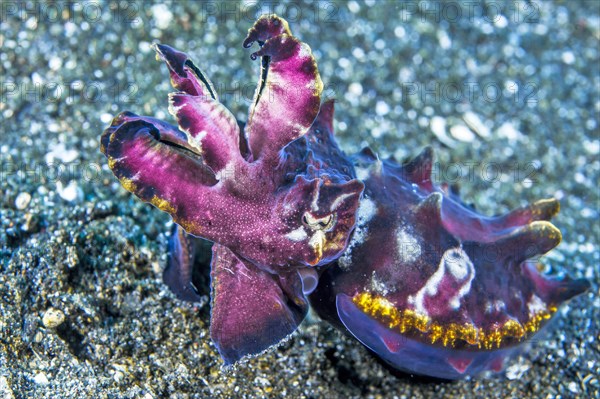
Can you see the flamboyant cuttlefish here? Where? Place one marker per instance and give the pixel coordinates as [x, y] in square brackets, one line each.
[422, 280]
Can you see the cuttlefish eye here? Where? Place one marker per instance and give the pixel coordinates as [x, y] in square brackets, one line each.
[324, 223]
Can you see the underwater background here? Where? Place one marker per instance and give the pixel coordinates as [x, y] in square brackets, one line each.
[507, 92]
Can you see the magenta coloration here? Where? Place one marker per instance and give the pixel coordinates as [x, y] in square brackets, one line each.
[428, 284]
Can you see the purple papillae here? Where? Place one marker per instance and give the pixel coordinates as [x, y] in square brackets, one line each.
[428, 284]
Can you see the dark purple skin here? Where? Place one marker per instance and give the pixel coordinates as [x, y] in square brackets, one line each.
[280, 202]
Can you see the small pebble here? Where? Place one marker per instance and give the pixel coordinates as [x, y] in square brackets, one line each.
[573, 387]
[516, 370]
[22, 200]
[72, 258]
[31, 224]
[438, 127]
[475, 123]
[59, 152]
[70, 192]
[41, 379]
[38, 337]
[462, 133]
[53, 318]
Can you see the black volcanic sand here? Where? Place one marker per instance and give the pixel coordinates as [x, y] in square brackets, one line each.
[511, 97]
